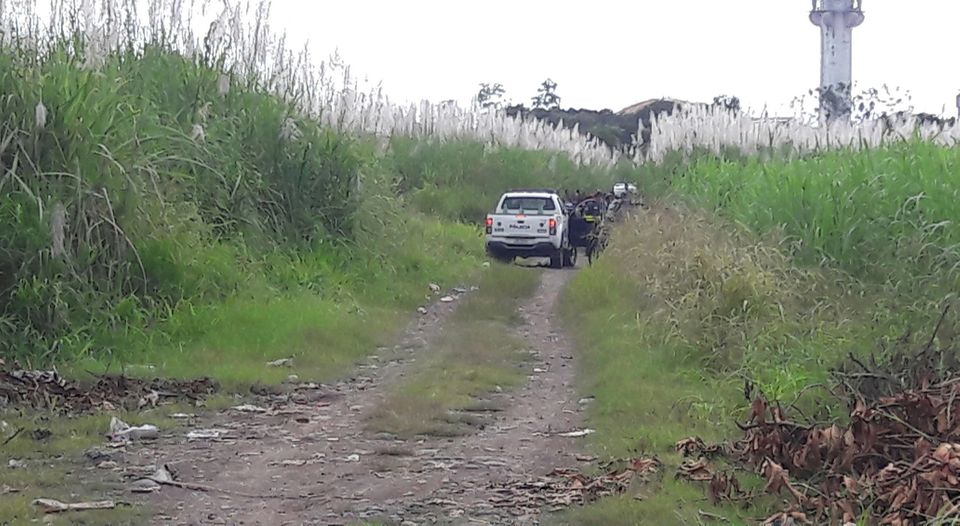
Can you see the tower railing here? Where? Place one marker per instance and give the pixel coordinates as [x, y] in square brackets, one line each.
[822, 6]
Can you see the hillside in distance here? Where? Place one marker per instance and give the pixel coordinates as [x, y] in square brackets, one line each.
[616, 129]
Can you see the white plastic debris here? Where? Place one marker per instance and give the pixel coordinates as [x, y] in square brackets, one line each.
[161, 475]
[447, 299]
[120, 431]
[16, 464]
[353, 458]
[421, 310]
[249, 408]
[434, 288]
[578, 433]
[152, 483]
[206, 434]
[282, 362]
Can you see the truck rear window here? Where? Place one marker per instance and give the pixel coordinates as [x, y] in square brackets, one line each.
[530, 205]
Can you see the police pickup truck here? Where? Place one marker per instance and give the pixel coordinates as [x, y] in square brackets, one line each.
[530, 223]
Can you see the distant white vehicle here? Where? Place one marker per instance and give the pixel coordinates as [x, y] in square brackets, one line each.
[620, 190]
[530, 223]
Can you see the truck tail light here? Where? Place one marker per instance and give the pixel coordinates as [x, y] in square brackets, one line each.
[489, 225]
[553, 226]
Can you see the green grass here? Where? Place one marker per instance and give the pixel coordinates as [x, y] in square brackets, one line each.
[477, 353]
[164, 230]
[794, 264]
[325, 310]
[678, 311]
[665, 501]
[321, 336]
[461, 181]
[887, 215]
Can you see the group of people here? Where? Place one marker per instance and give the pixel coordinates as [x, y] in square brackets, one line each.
[577, 197]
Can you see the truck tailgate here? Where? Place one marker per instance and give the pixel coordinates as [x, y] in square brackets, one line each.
[520, 227]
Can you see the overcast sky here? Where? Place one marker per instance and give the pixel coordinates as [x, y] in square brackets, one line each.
[610, 54]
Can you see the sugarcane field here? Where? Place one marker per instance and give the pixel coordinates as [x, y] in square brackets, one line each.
[414, 263]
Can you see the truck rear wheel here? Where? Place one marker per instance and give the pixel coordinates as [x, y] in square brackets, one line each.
[556, 260]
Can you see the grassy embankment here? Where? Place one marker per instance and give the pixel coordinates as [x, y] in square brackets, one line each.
[773, 273]
[266, 236]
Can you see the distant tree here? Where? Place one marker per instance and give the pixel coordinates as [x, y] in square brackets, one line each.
[729, 102]
[490, 95]
[547, 98]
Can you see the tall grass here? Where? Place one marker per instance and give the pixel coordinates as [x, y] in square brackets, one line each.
[117, 184]
[887, 215]
[676, 314]
[720, 131]
[460, 181]
[149, 174]
[238, 41]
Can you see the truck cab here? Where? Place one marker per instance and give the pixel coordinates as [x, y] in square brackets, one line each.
[530, 223]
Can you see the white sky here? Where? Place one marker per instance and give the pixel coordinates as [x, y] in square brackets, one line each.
[610, 54]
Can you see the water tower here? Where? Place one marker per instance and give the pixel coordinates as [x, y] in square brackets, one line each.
[836, 20]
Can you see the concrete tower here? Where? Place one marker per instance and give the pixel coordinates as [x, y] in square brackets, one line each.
[836, 20]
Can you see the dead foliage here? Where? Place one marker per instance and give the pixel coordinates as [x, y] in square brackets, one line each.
[50, 391]
[894, 460]
[566, 487]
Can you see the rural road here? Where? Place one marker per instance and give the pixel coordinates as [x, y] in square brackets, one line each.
[309, 459]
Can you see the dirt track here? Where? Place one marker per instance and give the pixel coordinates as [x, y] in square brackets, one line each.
[308, 460]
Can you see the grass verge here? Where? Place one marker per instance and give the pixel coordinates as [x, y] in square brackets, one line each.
[670, 321]
[476, 353]
[325, 310]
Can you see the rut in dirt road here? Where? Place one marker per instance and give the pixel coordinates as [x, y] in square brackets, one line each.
[315, 451]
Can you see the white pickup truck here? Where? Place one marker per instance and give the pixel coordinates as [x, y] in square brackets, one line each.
[530, 223]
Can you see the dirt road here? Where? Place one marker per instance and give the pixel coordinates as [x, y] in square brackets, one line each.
[309, 459]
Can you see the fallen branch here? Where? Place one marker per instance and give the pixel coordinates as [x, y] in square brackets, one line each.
[206, 488]
[11, 437]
